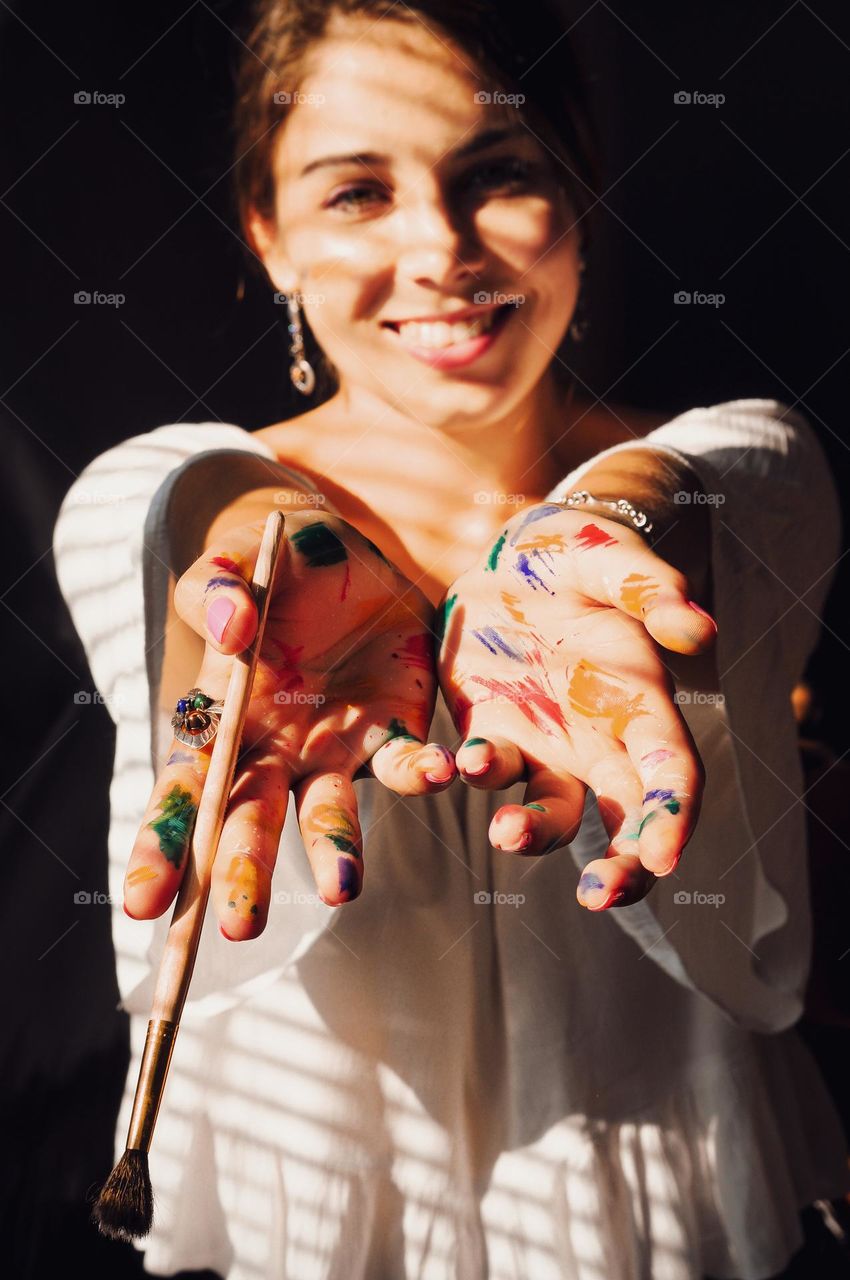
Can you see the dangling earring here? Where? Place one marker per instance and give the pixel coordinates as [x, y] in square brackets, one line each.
[300, 371]
[579, 325]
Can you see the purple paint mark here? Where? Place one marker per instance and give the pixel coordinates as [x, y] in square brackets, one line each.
[491, 640]
[528, 573]
[532, 516]
[181, 757]
[349, 881]
[660, 794]
[220, 582]
[656, 757]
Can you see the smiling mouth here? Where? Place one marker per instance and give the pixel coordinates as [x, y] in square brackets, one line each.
[437, 335]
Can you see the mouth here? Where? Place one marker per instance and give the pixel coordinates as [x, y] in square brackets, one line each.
[456, 342]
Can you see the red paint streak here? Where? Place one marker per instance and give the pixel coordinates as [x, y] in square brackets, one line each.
[346, 581]
[592, 536]
[417, 651]
[224, 562]
[289, 655]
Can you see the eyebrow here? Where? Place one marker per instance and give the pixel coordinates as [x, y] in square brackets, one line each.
[486, 138]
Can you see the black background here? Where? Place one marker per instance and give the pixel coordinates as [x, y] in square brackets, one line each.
[747, 199]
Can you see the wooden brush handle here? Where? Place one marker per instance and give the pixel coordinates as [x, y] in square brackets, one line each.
[178, 960]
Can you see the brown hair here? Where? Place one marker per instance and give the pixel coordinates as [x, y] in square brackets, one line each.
[518, 47]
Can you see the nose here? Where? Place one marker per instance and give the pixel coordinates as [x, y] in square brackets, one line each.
[434, 248]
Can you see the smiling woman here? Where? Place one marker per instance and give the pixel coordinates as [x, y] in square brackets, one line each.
[430, 1056]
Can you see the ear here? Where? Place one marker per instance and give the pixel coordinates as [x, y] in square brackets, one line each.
[264, 239]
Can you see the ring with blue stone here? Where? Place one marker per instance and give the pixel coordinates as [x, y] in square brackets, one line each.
[196, 718]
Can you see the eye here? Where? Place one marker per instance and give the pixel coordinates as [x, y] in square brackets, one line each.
[509, 172]
[356, 197]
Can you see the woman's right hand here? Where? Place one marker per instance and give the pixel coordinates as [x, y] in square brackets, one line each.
[345, 677]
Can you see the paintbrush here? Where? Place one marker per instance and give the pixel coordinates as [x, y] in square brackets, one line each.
[124, 1209]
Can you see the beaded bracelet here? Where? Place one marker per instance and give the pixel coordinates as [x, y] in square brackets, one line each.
[621, 506]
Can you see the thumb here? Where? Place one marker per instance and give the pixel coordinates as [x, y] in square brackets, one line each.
[214, 595]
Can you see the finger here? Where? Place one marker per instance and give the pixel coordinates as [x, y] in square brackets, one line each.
[665, 758]
[410, 767]
[214, 595]
[618, 878]
[240, 887]
[488, 759]
[548, 818]
[326, 805]
[158, 857]
[615, 564]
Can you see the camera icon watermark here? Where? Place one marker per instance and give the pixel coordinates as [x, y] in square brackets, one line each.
[484, 298]
[84, 298]
[88, 698]
[294, 498]
[682, 98]
[685, 898]
[299, 698]
[93, 898]
[94, 98]
[497, 98]
[286, 98]
[684, 298]
[296, 897]
[90, 497]
[684, 497]
[487, 497]
[698, 698]
[484, 897]
[303, 299]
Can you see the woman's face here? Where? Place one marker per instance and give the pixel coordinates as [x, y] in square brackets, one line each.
[402, 196]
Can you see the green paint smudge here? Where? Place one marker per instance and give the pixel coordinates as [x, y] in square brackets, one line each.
[442, 618]
[539, 807]
[493, 558]
[319, 546]
[174, 828]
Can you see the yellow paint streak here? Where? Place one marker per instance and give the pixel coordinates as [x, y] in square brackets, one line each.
[511, 603]
[551, 542]
[329, 817]
[600, 695]
[243, 886]
[637, 593]
[140, 875]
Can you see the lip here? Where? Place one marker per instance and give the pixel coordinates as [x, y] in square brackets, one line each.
[461, 354]
[448, 317]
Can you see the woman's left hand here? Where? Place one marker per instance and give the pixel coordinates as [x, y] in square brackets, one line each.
[550, 664]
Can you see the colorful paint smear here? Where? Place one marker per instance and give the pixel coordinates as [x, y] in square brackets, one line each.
[535, 514]
[319, 545]
[225, 562]
[491, 640]
[417, 651]
[637, 593]
[590, 536]
[349, 879]
[495, 552]
[335, 825]
[174, 828]
[596, 693]
[141, 875]
[243, 879]
[442, 618]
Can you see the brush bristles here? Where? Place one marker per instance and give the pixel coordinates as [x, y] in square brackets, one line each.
[124, 1209]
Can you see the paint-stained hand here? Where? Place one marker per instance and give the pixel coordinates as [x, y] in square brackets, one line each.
[345, 679]
[551, 665]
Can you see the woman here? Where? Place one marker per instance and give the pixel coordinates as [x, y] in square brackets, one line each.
[463, 1073]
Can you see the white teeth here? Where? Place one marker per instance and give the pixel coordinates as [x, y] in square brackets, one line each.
[441, 334]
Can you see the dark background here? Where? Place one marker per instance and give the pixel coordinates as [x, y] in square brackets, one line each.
[747, 199]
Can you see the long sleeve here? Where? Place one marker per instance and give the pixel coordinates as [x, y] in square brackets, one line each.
[734, 920]
[114, 548]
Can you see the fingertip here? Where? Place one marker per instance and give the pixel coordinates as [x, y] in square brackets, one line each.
[681, 626]
[231, 625]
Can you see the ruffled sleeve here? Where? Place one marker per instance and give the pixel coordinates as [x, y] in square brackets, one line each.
[115, 543]
[734, 921]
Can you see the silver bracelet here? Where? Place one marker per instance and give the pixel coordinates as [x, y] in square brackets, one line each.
[622, 506]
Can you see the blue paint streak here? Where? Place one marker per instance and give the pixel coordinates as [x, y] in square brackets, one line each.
[661, 794]
[528, 573]
[537, 513]
[231, 581]
[491, 640]
[590, 881]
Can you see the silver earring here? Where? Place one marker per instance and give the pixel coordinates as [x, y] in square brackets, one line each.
[300, 371]
[579, 326]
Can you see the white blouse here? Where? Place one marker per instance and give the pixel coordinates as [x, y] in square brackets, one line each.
[462, 1073]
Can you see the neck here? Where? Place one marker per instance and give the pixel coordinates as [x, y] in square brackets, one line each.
[513, 452]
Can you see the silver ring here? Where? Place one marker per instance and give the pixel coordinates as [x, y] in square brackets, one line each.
[196, 718]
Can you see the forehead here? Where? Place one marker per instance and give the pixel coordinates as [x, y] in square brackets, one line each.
[389, 86]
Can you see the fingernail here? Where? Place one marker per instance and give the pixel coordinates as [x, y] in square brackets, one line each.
[591, 884]
[225, 935]
[439, 781]
[129, 913]
[697, 609]
[218, 615]
[476, 773]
